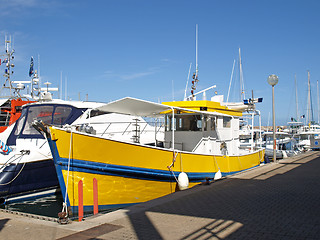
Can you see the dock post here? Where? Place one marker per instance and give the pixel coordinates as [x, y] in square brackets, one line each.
[80, 200]
[95, 196]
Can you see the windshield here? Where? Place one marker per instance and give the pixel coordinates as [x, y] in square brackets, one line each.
[53, 114]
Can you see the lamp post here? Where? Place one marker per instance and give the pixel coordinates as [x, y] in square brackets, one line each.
[273, 80]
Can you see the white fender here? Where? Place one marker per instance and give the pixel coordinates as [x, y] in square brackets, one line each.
[183, 181]
[284, 154]
[218, 175]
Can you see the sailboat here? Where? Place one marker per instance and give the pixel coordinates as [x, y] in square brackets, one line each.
[249, 136]
[309, 135]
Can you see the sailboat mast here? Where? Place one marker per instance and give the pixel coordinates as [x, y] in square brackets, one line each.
[230, 80]
[318, 98]
[309, 100]
[242, 93]
[297, 109]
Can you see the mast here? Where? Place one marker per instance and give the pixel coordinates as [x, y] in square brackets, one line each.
[231, 79]
[309, 101]
[242, 93]
[8, 57]
[195, 75]
[297, 109]
[185, 91]
[318, 97]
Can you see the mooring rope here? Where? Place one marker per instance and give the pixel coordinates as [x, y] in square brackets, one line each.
[175, 154]
[64, 208]
[3, 184]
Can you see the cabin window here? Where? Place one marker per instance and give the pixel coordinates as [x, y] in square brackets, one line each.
[94, 113]
[185, 123]
[168, 123]
[60, 115]
[212, 123]
[20, 123]
[226, 122]
[43, 113]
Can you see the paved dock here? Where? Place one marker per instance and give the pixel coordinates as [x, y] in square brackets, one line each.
[273, 201]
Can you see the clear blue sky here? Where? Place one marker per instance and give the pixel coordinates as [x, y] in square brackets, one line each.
[143, 48]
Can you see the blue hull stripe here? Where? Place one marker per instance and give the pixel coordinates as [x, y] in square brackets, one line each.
[126, 171]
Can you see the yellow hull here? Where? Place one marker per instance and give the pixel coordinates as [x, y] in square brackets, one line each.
[130, 173]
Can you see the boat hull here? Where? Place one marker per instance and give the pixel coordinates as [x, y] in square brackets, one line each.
[22, 181]
[128, 173]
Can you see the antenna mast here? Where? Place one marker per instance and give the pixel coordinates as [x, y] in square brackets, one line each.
[195, 75]
[8, 57]
[185, 91]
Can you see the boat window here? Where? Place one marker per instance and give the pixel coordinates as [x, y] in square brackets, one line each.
[226, 122]
[20, 122]
[61, 114]
[185, 123]
[94, 113]
[43, 113]
[304, 137]
[168, 123]
[212, 123]
[199, 125]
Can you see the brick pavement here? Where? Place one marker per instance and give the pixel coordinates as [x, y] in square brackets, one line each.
[274, 201]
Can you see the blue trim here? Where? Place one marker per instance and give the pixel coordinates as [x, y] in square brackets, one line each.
[55, 155]
[127, 171]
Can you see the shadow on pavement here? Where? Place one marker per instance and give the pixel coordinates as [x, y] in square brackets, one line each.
[283, 206]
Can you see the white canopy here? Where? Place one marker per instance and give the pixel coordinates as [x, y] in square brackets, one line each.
[135, 107]
[138, 107]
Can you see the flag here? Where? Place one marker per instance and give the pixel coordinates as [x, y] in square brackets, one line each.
[31, 67]
[5, 60]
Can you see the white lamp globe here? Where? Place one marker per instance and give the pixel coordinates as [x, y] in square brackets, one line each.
[273, 79]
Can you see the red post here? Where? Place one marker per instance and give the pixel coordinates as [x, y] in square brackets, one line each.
[95, 196]
[80, 200]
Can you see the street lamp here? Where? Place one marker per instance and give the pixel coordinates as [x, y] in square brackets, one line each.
[273, 80]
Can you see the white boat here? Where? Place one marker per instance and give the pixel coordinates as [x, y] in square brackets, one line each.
[285, 144]
[27, 171]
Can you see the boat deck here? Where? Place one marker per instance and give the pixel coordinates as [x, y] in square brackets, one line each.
[273, 201]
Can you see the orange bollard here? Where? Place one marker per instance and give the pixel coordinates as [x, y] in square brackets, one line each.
[95, 196]
[80, 200]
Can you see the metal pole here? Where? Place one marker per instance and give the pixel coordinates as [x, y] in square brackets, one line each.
[274, 127]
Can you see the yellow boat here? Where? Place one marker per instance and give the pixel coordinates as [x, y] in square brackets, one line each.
[110, 173]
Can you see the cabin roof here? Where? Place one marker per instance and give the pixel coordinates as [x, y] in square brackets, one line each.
[138, 107]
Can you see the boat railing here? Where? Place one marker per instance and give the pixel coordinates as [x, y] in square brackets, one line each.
[4, 117]
[122, 128]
